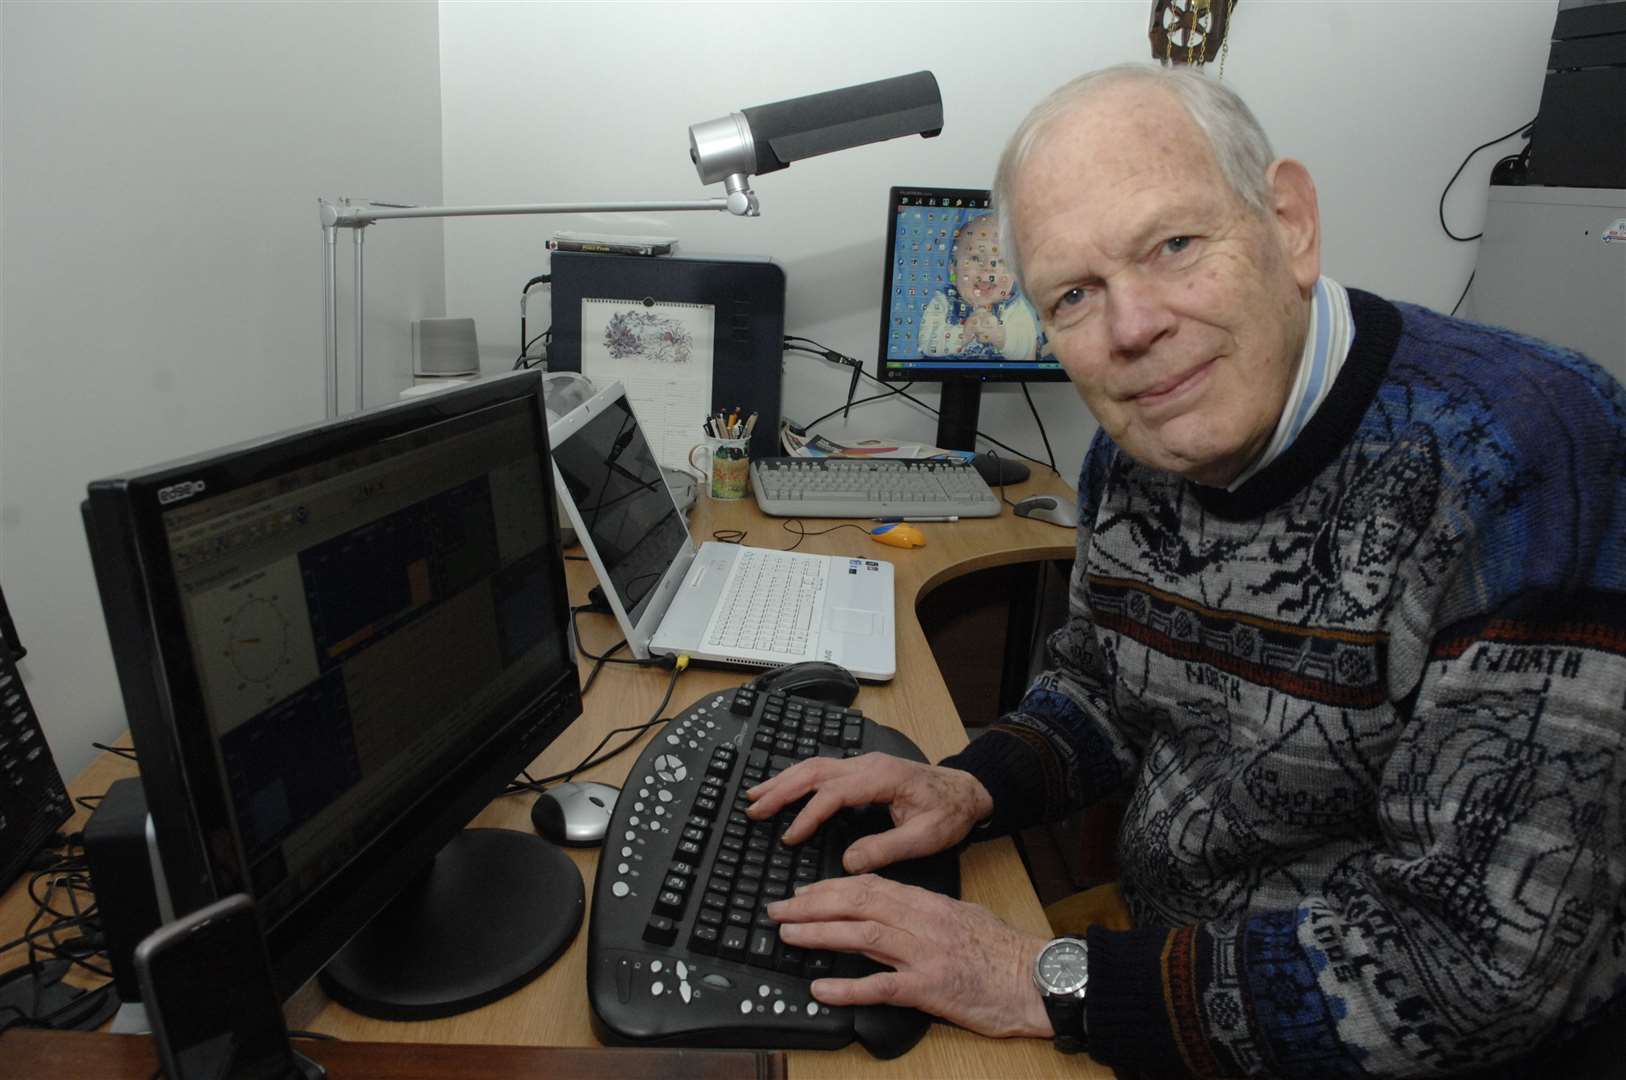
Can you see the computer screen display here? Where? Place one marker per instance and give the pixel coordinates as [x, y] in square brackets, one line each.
[951, 309]
[616, 484]
[336, 646]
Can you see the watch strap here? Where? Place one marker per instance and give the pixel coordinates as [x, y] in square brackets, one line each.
[1066, 1014]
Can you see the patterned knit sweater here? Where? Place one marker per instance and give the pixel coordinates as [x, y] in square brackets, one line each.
[1369, 711]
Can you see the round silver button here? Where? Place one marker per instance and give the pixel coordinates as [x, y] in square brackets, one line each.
[620, 888]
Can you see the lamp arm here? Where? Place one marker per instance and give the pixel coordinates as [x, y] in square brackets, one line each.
[740, 201]
[348, 214]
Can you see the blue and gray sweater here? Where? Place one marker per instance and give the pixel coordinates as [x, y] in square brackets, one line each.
[1370, 714]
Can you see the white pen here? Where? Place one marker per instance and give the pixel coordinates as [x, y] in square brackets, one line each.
[894, 519]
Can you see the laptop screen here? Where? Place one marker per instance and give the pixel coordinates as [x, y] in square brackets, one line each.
[623, 501]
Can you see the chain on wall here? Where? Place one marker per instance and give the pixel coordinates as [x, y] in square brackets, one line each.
[1192, 32]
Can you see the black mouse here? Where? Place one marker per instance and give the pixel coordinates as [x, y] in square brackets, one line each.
[814, 679]
[574, 814]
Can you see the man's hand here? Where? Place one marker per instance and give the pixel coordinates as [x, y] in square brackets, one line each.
[933, 808]
[954, 960]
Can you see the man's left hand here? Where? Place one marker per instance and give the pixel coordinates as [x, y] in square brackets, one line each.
[954, 960]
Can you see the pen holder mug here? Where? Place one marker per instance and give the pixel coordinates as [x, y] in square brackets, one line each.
[729, 466]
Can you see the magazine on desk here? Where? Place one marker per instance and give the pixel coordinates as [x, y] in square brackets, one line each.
[799, 443]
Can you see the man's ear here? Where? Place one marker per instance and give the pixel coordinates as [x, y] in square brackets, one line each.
[1297, 218]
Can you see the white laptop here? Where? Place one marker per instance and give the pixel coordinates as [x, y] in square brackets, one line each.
[725, 603]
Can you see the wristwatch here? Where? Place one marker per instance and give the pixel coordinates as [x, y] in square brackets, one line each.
[1061, 971]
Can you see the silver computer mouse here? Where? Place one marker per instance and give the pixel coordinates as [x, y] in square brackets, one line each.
[575, 814]
[1049, 508]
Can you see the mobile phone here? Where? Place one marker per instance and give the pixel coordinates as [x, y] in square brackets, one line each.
[206, 982]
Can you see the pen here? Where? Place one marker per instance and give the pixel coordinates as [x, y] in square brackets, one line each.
[952, 517]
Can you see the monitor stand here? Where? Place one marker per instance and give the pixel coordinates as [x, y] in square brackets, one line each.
[957, 409]
[493, 910]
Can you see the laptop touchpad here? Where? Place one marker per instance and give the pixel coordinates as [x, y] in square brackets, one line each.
[852, 621]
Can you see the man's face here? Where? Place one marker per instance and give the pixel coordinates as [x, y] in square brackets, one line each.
[981, 273]
[1177, 312]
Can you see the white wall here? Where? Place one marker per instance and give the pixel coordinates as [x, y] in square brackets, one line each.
[161, 272]
[562, 102]
[159, 165]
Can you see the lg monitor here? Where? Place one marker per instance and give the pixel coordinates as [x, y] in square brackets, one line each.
[951, 311]
[336, 646]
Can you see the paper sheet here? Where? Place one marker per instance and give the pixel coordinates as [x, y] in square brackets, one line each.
[662, 352]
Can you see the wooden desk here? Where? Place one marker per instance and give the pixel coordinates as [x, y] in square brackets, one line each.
[553, 1010]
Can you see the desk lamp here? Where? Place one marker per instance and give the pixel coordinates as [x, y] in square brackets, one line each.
[756, 140]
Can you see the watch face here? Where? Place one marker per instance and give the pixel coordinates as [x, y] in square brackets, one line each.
[1063, 966]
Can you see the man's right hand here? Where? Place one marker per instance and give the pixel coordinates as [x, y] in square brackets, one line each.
[932, 808]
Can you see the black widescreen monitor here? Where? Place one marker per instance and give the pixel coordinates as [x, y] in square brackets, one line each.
[951, 312]
[336, 646]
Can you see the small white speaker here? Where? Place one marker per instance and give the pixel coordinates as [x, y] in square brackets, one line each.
[443, 347]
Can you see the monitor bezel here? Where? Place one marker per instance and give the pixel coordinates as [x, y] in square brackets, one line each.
[971, 372]
[188, 796]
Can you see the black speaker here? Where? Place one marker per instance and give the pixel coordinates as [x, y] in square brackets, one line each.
[121, 878]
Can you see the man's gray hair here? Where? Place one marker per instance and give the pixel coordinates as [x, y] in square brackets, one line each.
[1239, 144]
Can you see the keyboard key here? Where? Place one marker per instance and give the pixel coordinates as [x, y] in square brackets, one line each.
[705, 938]
[761, 949]
[731, 946]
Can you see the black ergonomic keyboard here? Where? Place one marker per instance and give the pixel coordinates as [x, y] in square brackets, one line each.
[680, 950]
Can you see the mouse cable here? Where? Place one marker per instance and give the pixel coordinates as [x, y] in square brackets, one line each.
[801, 532]
[537, 784]
[902, 392]
[1004, 498]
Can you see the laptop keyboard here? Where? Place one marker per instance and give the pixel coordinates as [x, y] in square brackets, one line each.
[773, 602]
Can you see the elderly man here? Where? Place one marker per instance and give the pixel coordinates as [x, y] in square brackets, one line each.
[1348, 625]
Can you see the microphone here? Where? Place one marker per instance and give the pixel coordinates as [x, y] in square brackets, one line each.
[767, 138]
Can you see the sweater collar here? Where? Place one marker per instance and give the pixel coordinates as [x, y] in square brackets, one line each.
[1327, 426]
[1327, 339]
